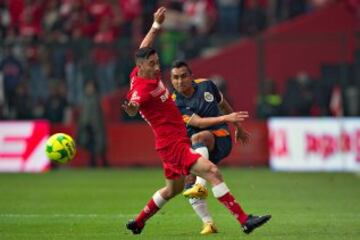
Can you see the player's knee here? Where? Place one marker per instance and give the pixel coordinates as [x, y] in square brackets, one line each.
[190, 179]
[171, 192]
[195, 139]
[214, 172]
[205, 137]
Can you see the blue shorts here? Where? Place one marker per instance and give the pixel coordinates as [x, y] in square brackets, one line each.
[222, 149]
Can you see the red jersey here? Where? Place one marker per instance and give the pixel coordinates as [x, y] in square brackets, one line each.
[158, 109]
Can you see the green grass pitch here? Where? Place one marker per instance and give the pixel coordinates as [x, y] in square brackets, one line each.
[96, 204]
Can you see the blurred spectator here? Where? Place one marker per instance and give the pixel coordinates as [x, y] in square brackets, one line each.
[16, 8]
[38, 81]
[74, 67]
[321, 96]
[99, 10]
[57, 48]
[130, 12]
[352, 99]
[104, 56]
[2, 95]
[172, 40]
[336, 104]
[229, 16]
[254, 19]
[13, 39]
[91, 133]
[51, 15]
[23, 104]
[201, 14]
[4, 19]
[30, 27]
[2, 98]
[276, 11]
[12, 72]
[296, 7]
[270, 104]
[318, 4]
[147, 14]
[56, 106]
[298, 99]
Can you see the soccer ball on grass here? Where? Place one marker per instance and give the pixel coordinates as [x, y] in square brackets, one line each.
[60, 148]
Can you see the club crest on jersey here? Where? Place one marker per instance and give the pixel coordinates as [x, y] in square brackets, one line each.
[208, 97]
[135, 96]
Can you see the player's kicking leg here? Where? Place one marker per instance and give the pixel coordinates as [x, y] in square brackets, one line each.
[198, 190]
[209, 171]
[172, 188]
[199, 204]
[195, 190]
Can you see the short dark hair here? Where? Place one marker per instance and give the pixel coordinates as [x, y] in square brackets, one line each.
[144, 53]
[179, 64]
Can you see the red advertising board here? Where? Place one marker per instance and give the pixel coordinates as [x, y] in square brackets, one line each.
[132, 144]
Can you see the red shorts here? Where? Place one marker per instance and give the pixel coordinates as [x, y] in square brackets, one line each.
[177, 159]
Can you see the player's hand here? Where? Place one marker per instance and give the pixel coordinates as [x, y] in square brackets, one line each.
[131, 108]
[241, 135]
[159, 15]
[236, 117]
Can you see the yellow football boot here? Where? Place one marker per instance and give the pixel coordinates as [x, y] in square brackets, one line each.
[209, 228]
[197, 191]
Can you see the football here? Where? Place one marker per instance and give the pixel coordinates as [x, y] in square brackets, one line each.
[60, 148]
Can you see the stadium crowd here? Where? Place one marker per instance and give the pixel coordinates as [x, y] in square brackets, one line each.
[50, 48]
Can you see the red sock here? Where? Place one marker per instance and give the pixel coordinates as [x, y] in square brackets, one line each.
[155, 203]
[230, 203]
[222, 193]
[149, 210]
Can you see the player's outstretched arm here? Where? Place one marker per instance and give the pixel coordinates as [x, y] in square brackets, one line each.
[159, 17]
[205, 122]
[240, 133]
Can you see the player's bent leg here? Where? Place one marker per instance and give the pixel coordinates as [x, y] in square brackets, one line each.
[206, 169]
[211, 173]
[203, 143]
[172, 188]
[200, 207]
[198, 190]
[189, 181]
[206, 138]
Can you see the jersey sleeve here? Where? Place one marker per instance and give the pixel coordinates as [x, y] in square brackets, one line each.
[138, 95]
[214, 89]
[187, 115]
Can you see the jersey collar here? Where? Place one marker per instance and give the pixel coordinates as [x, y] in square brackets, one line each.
[134, 74]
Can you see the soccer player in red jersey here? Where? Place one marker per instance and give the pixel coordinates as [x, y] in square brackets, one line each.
[151, 98]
